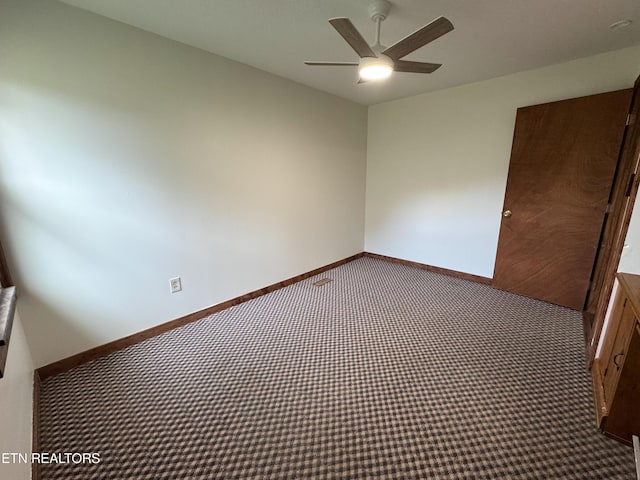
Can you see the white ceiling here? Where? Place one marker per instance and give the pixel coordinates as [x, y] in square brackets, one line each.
[491, 37]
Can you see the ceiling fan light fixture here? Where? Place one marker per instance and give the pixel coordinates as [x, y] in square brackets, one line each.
[375, 68]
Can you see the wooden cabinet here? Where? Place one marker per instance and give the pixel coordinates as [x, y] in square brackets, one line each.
[623, 420]
[616, 369]
[619, 351]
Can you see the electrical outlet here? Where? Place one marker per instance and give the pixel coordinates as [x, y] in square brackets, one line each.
[175, 284]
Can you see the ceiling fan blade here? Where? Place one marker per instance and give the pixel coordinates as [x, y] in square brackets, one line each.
[332, 64]
[419, 38]
[345, 28]
[415, 67]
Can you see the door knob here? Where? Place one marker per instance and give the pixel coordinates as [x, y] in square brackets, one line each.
[506, 213]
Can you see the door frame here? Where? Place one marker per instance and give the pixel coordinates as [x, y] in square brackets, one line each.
[622, 200]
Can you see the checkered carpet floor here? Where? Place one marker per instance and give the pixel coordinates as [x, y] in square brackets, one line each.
[387, 372]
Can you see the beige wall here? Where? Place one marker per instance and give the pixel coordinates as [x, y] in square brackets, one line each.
[127, 159]
[437, 163]
[16, 399]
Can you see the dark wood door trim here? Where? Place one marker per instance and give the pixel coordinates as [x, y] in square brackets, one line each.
[622, 199]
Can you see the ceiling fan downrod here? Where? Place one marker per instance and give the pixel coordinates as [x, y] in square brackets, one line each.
[378, 10]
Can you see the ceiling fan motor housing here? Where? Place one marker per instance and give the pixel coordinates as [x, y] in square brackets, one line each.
[379, 9]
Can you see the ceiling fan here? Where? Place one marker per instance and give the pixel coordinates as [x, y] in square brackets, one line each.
[376, 61]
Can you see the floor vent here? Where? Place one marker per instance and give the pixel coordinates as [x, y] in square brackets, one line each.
[322, 281]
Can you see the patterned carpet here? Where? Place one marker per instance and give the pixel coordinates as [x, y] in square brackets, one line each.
[386, 372]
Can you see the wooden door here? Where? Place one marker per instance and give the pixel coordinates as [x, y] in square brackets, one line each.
[563, 160]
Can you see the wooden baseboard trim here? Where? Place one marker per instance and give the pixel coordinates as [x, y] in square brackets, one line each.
[35, 432]
[423, 266]
[68, 363]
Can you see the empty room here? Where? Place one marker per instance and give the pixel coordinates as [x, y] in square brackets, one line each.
[319, 239]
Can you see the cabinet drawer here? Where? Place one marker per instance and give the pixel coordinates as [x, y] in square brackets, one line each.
[623, 419]
[618, 354]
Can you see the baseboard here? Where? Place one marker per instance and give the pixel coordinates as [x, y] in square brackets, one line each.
[443, 271]
[74, 361]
